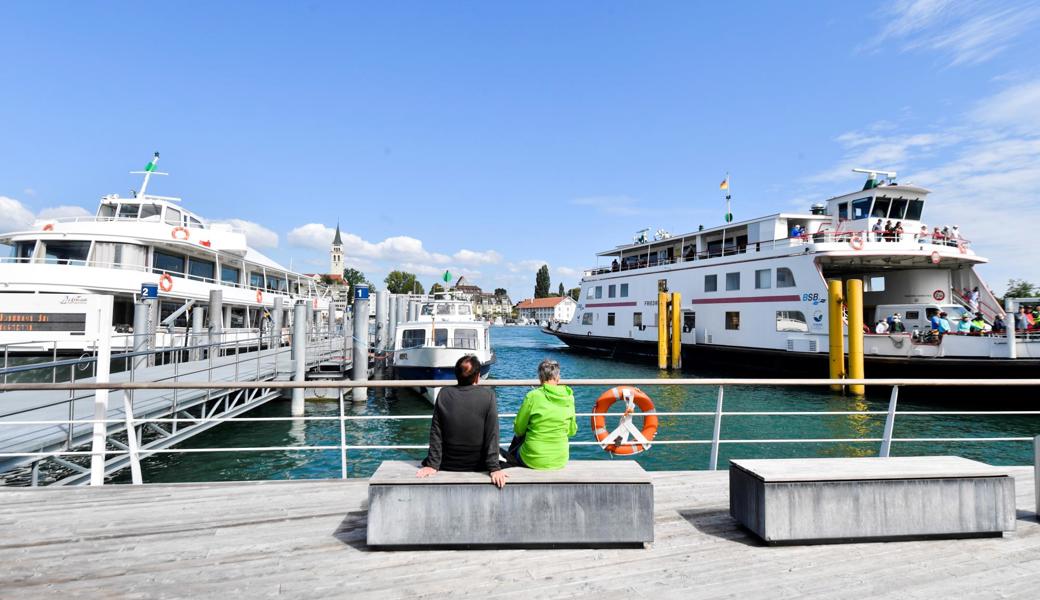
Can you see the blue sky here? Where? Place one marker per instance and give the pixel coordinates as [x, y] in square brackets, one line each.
[488, 138]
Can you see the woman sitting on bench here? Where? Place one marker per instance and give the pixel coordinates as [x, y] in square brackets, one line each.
[544, 422]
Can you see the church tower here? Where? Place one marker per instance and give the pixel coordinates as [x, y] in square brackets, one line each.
[336, 266]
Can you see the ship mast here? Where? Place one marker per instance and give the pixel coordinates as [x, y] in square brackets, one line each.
[149, 170]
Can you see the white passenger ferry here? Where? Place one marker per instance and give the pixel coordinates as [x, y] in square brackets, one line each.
[138, 240]
[444, 331]
[754, 294]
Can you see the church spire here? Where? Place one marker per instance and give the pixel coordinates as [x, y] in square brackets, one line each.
[337, 241]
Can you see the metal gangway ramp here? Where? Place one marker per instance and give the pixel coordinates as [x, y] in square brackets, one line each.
[35, 425]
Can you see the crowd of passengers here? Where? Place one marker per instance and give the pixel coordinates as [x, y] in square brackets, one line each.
[892, 232]
[1026, 319]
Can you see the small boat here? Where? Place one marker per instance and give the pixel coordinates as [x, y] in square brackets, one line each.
[444, 331]
[498, 322]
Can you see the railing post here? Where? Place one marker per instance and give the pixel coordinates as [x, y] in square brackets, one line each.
[890, 422]
[342, 437]
[131, 439]
[713, 461]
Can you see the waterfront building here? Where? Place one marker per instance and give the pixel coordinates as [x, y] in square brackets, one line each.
[338, 287]
[558, 309]
[486, 305]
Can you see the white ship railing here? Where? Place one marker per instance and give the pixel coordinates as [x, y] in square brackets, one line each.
[715, 441]
[149, 220]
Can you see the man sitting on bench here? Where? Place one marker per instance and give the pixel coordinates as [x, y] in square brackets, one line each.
[464, 431]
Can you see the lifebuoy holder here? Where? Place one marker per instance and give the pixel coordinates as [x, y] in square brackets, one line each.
[165, 282]
[617, 441]
[180, 233]
[856, 241]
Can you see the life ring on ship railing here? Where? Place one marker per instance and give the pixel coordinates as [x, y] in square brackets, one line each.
[165, 282]
[314, 302]
[962, 247]
[259, 297]
[856, 241]
[176, 230]
[48, 227]
[616, 442]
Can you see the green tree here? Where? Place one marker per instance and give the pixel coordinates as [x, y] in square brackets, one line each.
[1020, 288]
[401, 282]
[436, 288]
[354, 277]
[541, 282]
[561, 293]
[575, 293]
[501, 292]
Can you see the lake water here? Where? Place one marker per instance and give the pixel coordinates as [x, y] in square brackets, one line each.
[519, 351]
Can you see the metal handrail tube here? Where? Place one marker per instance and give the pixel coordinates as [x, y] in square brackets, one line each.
[883, 382]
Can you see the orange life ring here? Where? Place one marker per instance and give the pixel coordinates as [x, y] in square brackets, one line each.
[314, 302]
[259, 297]
[962, 247]
[856, 241]
[177, 230]
[633, 397]
[48, 227]
[165, 282]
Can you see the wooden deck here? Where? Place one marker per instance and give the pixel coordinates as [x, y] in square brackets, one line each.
[305, 539]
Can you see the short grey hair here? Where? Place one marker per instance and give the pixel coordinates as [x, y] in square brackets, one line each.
[548, 370]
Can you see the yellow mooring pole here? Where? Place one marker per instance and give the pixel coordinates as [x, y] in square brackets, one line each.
[834, 332]
[854, 299]
[662, 330]
[676, 330]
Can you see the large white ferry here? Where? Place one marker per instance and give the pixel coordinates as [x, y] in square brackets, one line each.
[754, 294]
[137, 240]
[444, 331]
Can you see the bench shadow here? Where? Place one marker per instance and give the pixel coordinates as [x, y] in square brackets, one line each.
[1027, 516]
[718, 523]
[353, 531]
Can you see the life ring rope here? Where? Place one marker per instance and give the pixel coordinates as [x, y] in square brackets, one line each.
[617, 441]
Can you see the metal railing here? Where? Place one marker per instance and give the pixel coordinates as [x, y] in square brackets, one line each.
[715, 441]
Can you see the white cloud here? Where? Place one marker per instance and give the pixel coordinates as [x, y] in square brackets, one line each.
[1017, 107]
[256, 234]
[967, 32]
[567, 272]
[30, 192]
[312, 235]
[61, 212]
[14, 215]
[470, 257]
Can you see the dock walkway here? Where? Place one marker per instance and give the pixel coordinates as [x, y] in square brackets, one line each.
[306, 539]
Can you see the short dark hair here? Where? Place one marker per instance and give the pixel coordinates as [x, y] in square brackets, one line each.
[467, 369]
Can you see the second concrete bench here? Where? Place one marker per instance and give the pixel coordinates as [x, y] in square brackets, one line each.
[588, 503]
[863, 499]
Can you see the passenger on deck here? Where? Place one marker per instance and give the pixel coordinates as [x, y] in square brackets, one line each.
[944, 323]
[464, 430]
[978, 324]
[614, 265]
[879, 230]
[898, 231]
[973, 299]
[544, 422]
[895, 324]
[923, 235]
[998, 325]
[881, 327]
[937, 236]
[796, 231]
[965, 325]
[1021, 320]
[889, 231]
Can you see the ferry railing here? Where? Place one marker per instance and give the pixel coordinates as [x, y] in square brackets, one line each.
[715, 442]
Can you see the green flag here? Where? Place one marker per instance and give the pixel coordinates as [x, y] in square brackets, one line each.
[150, 166]
[447, 276]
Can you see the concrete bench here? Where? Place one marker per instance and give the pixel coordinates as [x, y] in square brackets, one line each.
[588, 503]
[826, 500]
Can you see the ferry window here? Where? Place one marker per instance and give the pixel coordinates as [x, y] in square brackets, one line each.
[791, 320]
[880, 209]
[167, 262]
[586, 319]
[106, 211]
[624, 290]
[733, 320]
[276, 283]
[913, 211]
[238, 318]
[860, 208]
[599, 292]
[193, 222]
[732, 281]
[610, 319]
[168, 308]
[201, 269]
[711, 283]
[875, 284]
[689, 321]
[129, 211]
[913, 315]
[637, 319]
[173, 217]
[23, 251]
[763, 279]
[611, 291]
[465, 309]
[440, 337]
[784, 277]
[843, 210]
[444, 309]
[898, 209]
[150, 210]
[413, 338]
[662, 285]
[427, 309]
[229, 274]
[256, 279]
[465, 338]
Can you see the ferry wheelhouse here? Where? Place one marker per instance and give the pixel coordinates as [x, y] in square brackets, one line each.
[147, 239]
[754, 294]
[444, 331]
